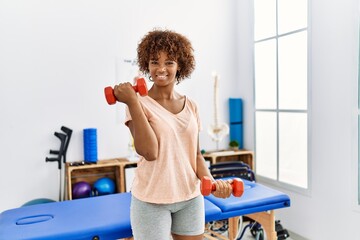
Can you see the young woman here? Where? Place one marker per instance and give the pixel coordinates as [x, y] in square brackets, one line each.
[166, 196]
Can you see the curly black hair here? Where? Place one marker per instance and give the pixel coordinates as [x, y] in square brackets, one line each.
[177, 47]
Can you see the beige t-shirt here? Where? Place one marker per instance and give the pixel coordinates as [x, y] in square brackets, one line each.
[172, 177]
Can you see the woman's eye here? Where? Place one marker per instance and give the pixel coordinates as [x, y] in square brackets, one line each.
[153, 62]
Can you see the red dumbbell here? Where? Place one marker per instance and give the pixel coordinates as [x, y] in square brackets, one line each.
[207, 186]
[140, 87]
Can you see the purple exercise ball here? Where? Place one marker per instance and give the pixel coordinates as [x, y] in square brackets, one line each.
[81, 190]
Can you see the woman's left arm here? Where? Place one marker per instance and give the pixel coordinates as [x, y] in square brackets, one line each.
[223, 188]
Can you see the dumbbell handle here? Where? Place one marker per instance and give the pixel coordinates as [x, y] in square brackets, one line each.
[207, 186]
[140, 87]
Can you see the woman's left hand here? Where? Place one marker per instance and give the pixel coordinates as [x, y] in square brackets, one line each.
[223, 188]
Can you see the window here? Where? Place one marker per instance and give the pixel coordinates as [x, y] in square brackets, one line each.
[281, 91]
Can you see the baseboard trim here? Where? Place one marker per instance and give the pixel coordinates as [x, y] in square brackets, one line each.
[296, 236]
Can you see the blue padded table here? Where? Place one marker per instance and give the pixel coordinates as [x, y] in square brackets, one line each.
[108, 217]
[258, 202]
[104, 217]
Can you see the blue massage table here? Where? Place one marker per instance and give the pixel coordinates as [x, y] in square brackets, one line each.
[108, 217]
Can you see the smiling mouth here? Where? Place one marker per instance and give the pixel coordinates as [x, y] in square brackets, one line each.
[161, 77]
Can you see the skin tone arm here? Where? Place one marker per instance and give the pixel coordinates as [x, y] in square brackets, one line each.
[223, 188]
[145, 140]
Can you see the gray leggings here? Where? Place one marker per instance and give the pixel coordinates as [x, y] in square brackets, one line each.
[151, 221]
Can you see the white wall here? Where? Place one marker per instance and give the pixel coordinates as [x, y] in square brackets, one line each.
[57, 56]
[329, 211]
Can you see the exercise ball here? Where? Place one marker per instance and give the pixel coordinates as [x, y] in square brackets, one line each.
[37, 201]
[104, 186]
[81, 190]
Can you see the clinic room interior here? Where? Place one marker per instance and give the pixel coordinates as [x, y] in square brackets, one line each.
[294, 64]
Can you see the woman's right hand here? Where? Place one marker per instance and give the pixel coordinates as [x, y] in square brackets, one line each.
[125, 93]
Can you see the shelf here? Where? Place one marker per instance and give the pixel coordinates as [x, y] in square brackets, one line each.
[228, 155]
[90, 173]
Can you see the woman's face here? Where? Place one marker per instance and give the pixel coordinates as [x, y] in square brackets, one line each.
[163, 70]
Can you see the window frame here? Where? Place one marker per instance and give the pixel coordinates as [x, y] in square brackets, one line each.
[355, 151]
[276, 182]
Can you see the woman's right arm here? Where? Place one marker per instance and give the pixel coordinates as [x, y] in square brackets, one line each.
[145, 140]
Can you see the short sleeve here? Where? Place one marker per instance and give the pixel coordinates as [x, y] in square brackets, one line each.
[196, 113]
